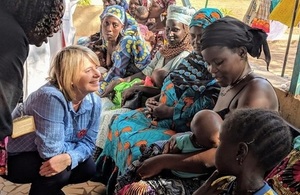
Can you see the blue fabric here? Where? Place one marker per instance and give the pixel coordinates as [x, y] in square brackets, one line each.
[266, 190]
[132, 54]
[205, 16]
[184, 143]
[130, 130]
[59, 129]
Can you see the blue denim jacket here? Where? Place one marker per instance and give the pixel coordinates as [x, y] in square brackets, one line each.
[59, 129]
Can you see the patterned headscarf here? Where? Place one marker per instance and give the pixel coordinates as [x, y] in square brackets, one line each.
[238, 34]
[115, 11]
[205, 16]
[180, 14]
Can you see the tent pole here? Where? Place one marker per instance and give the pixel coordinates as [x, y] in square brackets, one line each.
[290, 38]
[206, 3]
[186, 3]
[295, 81]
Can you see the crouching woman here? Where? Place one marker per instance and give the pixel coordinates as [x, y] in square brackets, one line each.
[66, 113]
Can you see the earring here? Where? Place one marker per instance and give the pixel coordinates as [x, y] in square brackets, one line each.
[240, 161]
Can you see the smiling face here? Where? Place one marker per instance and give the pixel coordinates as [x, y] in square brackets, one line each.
[196, 33]
[224, 64]
[88, 78]
[111, 28]
[175, 32]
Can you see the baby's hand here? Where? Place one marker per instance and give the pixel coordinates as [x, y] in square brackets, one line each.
[174, 150]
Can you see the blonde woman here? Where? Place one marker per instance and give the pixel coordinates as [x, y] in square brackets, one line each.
[66, 113]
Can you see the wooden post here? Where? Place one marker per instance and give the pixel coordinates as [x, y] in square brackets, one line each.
[186, 3]
[295, 81]
[290, 37]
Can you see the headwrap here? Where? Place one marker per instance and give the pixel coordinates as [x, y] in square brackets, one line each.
[233, 33]
[180, 14]
[205, 16]
[122, 3]
[115, 11]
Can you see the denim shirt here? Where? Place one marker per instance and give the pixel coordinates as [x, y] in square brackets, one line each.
[59, 129]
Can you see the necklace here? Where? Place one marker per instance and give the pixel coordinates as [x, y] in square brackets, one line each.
[76, 105]
[228, 88]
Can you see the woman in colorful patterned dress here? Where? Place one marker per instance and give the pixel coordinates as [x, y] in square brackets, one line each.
[186, 90]
[126, 51]
[228, 62]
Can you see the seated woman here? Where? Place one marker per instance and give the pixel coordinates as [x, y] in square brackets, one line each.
[186, 90]
[66, 114]
[227, 60]
[252, 141]
[127, 53]
[96, 38]
[205, 130]
[168, 58]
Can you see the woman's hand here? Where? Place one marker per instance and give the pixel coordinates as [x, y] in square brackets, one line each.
[150, 105]
[55, 165]
[208, 189]
[128, 94]
[151, 167]
[110, 87]
[162, 111]
[170, 146]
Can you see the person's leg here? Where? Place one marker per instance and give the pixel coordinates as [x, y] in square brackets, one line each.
[83, 172]
[50, 185]
[53, 185]
[24, 167]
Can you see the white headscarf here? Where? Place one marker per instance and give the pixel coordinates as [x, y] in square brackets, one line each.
[180, 14]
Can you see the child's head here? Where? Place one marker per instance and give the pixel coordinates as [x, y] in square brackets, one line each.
[141, 14]
[158, 77]
[255, 139]
[101, 53]
[206, 126]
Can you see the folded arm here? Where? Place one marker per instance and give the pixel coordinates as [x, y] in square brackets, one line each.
[192, 162]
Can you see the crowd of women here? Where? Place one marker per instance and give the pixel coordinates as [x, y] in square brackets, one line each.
[204, 57]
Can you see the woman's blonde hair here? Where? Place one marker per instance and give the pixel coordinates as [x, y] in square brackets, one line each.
[66, 65]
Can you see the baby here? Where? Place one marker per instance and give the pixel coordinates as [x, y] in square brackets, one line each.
[156, 79]
[141, 15]
[205, 127]
[204, 135]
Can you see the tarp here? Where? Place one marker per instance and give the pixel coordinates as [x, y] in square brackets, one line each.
[284, 12]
